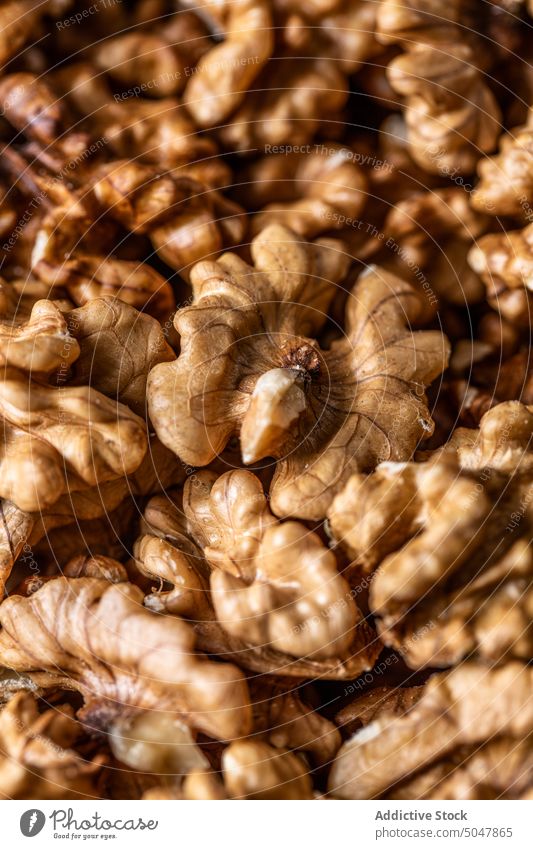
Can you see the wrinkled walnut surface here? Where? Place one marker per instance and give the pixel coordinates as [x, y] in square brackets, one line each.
[249, 365]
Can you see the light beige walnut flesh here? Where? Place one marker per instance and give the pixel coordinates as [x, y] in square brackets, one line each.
[89, 276]
[249, 366]
[142, 59]
[37, 755]
[252, 770]
[451, 539]
[446, 735]
[88, 635]
[177, 562]
[156, 741]
[433, 231]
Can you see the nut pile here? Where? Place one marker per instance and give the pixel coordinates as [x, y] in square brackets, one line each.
[266, 470]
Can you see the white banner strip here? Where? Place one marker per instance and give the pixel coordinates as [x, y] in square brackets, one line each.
[269, 825]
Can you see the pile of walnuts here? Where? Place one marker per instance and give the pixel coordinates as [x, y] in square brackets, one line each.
[266, 393]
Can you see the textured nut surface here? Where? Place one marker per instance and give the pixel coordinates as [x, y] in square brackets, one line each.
[451, 539]
[267, 619]
[459, 711]
[273, 583]
[248, 363]
[77, 629]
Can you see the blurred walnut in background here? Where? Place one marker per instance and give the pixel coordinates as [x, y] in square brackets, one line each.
[447, 745]
[451, 114]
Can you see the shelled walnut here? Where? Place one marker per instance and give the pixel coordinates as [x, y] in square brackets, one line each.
[311, 193]
[505, 184]
[468, 737]
[251, 770]
[75, 246]
[257, 771]
[432, 232]
[261, 610]
[342, 30]
[254, 88]
[71, 379]
[250, 366]
[504, 261]
[451, 540]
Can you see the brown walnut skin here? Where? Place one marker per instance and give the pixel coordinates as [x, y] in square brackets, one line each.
[252, 770]
[63, 438]
[371, 705]
[225, 72]
[342, 30]
[434, 231]
[291, 100]
[451, 114]
[156, 132]
[283, 720]
[118, 347]
[431, 22]
[160, 55]
[249, 366]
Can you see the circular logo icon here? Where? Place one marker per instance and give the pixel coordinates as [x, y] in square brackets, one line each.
[32, 822]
